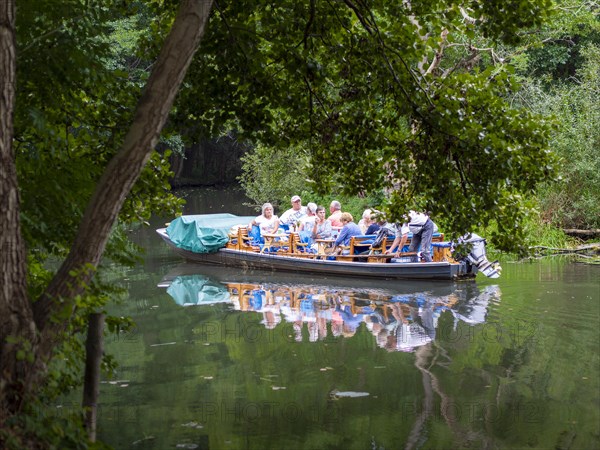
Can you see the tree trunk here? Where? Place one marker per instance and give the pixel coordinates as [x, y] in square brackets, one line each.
[101, 213]
[94, 347]
[17, 328]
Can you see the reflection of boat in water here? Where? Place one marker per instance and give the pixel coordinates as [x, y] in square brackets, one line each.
[207, 239]
[323, 280]
[401, 316]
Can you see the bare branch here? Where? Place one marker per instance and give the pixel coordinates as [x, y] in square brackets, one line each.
[468, 19]
[438, 54]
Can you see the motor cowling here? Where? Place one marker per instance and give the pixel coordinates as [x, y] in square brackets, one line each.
[477, 256]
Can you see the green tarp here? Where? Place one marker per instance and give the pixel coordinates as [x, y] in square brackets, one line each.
[205, 233]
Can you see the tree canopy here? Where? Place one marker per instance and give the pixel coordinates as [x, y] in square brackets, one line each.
[381, 96]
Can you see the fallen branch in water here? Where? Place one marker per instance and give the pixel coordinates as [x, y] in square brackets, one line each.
[581, 249]
[586, 256]
[582, 234]
[586, 259]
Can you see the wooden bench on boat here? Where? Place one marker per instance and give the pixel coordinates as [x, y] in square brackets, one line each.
[289, 245]
[300, 248]
[275, 242]
[360, 247]
[240, 240]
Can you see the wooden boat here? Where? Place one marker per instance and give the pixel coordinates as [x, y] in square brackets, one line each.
[236, 251]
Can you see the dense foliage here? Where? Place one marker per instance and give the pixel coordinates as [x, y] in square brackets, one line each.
[367, 95]
[74, 101]
[572, 201]
[468, 146]
[559, 72]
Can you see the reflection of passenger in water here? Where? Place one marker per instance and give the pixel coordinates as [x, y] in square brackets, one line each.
[263, 301]
[337, 323]
[304, 311]
[352, 319]
[398, 323]
[409, 334]
[395, 329]
[317, 330]
[271, 316]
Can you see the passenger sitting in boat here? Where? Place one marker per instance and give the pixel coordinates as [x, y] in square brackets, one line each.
[322, 227]
[366, 221]
[295, 213]
[335, 208]
[267, 222]
[307, 223]
[375, 226]
[422, 229]
[349, 229]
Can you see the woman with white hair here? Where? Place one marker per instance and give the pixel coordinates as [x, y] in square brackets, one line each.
[307, 222]
[366, 221]
[267, 222]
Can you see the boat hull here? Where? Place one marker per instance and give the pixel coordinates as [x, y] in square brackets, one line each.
[274, 262]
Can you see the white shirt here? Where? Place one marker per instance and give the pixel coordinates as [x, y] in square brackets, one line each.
[266, 225]
[308, 223]
[417, 220]
[292, 216]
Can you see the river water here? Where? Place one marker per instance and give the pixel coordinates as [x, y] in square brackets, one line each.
[224, 359]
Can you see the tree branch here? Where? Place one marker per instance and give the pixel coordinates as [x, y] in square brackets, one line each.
[124, 169]
[437, 59]
[311, 18]
[360, 17]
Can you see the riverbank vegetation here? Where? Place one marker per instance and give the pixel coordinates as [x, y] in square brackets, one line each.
[441, 106]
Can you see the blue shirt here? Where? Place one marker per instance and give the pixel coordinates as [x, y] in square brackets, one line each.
[373, 228]
[349, 230]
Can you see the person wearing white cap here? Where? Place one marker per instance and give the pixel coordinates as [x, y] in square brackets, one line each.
[295, 213]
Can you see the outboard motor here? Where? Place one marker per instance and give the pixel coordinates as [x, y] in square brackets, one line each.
[477, 256]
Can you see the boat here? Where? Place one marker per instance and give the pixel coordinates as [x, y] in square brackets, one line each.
[222, 240]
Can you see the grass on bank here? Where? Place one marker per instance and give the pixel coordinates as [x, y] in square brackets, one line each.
[538, 233]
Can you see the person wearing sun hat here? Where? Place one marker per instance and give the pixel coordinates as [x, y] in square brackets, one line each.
[295, 213]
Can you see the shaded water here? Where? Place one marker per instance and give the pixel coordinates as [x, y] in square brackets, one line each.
[228, 359]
